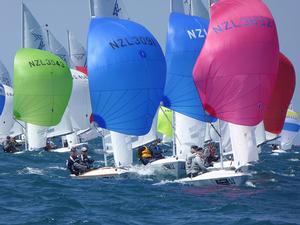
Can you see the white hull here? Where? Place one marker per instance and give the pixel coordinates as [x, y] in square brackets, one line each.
[67, 149]
[172, 166]
[103, 172]
[218, 177]
[217, 165]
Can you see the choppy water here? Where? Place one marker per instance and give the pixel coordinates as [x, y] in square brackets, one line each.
[35, 188]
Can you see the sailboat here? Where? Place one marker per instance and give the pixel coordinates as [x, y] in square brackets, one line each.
[290, 130]
[126, 79]
[235, 76]
[33, 36]
[186, 36]
[49, 85]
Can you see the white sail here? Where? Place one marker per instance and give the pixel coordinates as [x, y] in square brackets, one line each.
[17, 129]
[4, 76]
[57, 48]
[76, 51]
[121, 145]
[151, 136]
[80, 105]
[63, 128]
[260, 135]
[34, 35]
[198, 9]
[72, 139]
[243, 144]
[178, 6]
[188, 132]
[270, 136]
[6, 118]
[108, 8]
[290, 130]
[88, 135]
[36, 136]
[226, 141]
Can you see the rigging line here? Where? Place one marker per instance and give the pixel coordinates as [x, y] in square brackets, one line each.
[174, 133]
[215, 129]
[19, 123]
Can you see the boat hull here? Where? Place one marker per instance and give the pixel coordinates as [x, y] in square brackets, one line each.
[103, 172]
[170, 166]
[219, 177]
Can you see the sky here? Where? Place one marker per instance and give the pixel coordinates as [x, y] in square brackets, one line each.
[74, 15]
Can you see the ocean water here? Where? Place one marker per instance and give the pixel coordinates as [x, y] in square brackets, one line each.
[35, 188]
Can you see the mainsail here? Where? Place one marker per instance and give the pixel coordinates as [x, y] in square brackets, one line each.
[108, 8]
[6, 118]
[57, 48]
[34, 35]
[77, 52]
[4, 76]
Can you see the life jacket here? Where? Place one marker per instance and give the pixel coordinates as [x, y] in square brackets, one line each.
[146, 153]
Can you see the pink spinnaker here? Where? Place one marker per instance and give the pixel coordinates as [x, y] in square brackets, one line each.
[236, 70]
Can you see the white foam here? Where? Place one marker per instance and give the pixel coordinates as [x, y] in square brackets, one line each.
[250, 184]
[294, 160]
[30, 170]
[142, 170]
[57, 167]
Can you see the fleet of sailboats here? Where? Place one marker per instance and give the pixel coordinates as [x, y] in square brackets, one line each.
[213, 84]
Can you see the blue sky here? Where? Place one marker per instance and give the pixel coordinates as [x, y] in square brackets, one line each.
[61, 15]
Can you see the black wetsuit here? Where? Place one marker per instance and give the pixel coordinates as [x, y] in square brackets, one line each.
[86, 161]
[75, 166]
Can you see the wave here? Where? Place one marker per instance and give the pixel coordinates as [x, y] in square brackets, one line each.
[31, 170]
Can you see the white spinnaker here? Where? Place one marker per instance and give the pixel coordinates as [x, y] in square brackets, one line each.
[36, 136]
[80, 103]
[149, 137]
[108, 8]
[188, 132]
[198, 9]
[76, 51]
[6, 118]
[57, 48]
[121, 145]
[243, 144]
[4, 76]
[34, 35]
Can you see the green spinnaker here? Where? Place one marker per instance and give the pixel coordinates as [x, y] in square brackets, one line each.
[42, 87]
[164, 123]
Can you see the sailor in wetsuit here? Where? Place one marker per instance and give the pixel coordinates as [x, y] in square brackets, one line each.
[74, 165]
[85, 159]
[9, 145]
[156, 150]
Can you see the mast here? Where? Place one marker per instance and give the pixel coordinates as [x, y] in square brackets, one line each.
[69, 47]
[174, 134]
[48, 37]
[190, 7]
[90, 6]
[171, 6]
[22, 45]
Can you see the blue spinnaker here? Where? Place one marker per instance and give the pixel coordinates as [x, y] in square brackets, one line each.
[186, 36]
[2, 98]
[127, 73]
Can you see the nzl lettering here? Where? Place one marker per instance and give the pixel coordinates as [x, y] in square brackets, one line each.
[197, 33]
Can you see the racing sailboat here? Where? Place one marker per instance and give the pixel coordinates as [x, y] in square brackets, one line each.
[126, 79]
[235, 78]
[186, 36]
